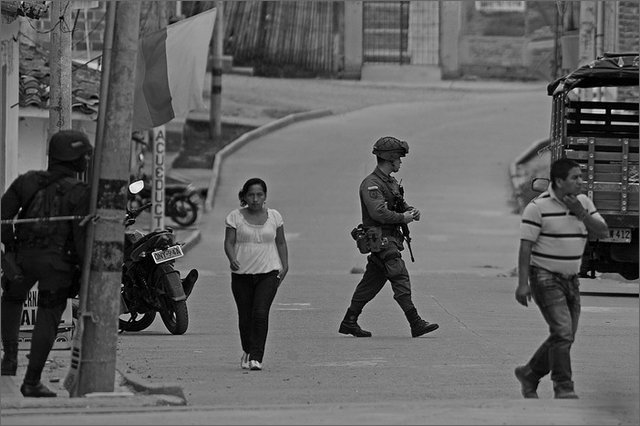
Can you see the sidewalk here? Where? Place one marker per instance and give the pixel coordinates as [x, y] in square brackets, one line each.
[129, 389]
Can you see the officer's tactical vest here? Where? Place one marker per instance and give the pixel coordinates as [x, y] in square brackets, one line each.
[49, 201]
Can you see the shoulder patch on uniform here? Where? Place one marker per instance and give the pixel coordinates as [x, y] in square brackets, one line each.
[374, 192]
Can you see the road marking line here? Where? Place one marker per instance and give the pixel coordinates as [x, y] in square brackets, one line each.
[361, 363]
[602, 309]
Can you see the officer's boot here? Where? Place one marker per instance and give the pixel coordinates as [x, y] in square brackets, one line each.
[10, 358]
[51, 305]
[42, 340]
[10, 325]
[418, 325]
[349, 325]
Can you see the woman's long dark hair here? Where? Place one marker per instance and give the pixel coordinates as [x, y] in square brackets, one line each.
[248, 184]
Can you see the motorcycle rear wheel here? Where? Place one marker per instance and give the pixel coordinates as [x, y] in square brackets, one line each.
[183, 211]
[140, 323]
[177, 319]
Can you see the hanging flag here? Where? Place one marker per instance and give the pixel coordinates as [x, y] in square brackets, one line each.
[170, 71]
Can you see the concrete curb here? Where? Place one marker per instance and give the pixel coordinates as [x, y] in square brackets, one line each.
[248, 137]
[163, 390]
[130, 391]
[120, 400]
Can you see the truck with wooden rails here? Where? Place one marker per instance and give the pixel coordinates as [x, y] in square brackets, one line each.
[594, 121]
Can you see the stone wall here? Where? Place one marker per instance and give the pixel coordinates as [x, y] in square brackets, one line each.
[628, 33]
[505, 57]
[628, 39]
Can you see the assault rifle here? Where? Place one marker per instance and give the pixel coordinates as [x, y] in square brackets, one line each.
[400, 208]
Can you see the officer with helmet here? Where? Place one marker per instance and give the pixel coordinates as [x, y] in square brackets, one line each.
[53, 260]
[384, 211]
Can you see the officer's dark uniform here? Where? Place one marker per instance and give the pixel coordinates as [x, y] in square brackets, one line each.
[382, 205]
[51, 263]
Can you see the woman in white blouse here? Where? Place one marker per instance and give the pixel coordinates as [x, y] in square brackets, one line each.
[255, 245]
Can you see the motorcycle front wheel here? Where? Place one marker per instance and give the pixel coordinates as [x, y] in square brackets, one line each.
[126, 323]
[183, 211]
[176, 319]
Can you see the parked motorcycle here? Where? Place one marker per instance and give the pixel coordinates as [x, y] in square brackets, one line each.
[150, 284]
[181, 202]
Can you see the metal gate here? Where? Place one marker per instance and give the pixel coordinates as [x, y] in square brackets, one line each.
[400, 32]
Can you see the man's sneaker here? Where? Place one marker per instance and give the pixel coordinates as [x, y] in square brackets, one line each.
[564, 390]
[255, 365]
[528, 387]
[36, 391]
[566, 395]
[422, 327]
[244, 361]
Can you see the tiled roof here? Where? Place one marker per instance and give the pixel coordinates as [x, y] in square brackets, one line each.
[35, 76]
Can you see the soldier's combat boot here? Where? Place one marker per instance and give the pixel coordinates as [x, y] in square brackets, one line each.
[10, 360]
[349, 325]
[418, 325]
[36, 391]
[10, 329]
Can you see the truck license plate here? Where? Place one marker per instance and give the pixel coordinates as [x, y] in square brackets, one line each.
[618, 235]
[171, 253]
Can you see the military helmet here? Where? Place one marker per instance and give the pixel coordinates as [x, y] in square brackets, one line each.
[390, 148]
[69, 145]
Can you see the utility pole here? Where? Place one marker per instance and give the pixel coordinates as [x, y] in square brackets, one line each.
[599, 39]
[60, 68]
[100, 320]
[556, 44]
[215, 120]
[73, 376]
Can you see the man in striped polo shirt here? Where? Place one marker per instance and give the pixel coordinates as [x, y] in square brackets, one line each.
[554, 230]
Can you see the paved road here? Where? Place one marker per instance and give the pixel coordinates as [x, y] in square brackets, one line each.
[465, 246]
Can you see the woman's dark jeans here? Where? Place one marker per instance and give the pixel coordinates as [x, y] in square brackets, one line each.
[558, 298]
[254, 294]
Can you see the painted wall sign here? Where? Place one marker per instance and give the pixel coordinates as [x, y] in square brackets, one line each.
[157, 179]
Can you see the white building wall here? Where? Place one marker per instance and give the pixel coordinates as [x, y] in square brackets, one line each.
[9, 83]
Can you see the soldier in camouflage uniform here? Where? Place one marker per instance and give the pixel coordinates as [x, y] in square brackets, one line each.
[385, 211]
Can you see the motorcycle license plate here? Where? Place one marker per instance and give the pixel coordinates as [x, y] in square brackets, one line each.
[618, 235]
[171, 253]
